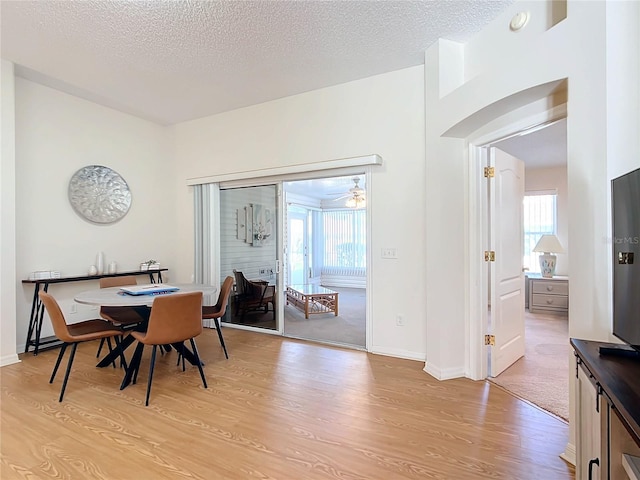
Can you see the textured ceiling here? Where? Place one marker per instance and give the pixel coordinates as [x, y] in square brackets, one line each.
[171, 61]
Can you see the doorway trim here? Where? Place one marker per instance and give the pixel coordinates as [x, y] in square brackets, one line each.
[477, 319]
[333, 168]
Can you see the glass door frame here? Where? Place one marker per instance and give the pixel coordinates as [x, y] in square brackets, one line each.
[278, 267]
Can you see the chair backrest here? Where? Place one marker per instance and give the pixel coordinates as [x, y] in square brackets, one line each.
[223, 298]
[57, 317]
[175, 318]
[241, 282]
[118, 281]
[258, 290]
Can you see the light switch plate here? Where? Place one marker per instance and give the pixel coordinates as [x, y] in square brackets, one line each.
[389, 253]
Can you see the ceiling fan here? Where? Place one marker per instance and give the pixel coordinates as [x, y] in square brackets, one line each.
[356, 196]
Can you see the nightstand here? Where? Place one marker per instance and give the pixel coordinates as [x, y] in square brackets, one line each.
[549, 295]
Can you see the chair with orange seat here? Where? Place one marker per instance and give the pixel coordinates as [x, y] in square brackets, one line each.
[174, 319]
[73, 334]
[122, 317]
[219, 309]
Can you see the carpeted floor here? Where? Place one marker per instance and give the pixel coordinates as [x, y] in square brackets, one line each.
[542, 375]
[348, 328]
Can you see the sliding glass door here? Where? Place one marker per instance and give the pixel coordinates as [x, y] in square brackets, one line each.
[298, 247]
[249, 253]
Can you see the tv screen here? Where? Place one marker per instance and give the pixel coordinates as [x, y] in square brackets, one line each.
[625, 193]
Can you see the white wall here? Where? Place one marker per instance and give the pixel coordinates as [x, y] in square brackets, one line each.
[57, 134]
[382, 115]
[504, 66]
[7, 217]
[237, 253]
[555, 178]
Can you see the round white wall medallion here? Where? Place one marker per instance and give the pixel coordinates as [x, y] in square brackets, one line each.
[518, 21]
[99, 194]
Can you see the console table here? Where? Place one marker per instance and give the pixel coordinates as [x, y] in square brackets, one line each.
[607, 413]
[37, 308]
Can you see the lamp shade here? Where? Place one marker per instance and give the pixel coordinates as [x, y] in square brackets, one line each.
[548, 244]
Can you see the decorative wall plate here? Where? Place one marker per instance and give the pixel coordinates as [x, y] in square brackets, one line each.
[99, 194]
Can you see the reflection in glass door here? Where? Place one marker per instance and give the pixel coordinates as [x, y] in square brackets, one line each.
[249, 253]
[298, 248]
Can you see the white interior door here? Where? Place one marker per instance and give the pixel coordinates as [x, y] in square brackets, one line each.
[507, 279]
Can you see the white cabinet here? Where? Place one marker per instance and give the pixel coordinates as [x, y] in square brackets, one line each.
[549, 295]
[607, 413]
[588, 428]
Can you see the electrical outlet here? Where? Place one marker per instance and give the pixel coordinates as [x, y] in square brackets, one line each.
[389, 253]
[400, 320]
[262, 271]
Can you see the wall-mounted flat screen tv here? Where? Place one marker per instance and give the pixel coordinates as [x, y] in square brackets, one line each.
[625, 197]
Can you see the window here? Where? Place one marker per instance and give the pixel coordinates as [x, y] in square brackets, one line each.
[345, 242]
[539, 219]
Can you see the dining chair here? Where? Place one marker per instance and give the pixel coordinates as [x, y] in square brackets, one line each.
[219, 309]
[258, 295]
[73, 334]
[121, 317]
[174, 319]
[240, 289]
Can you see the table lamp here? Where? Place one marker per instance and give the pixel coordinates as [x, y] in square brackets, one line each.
[548, 244]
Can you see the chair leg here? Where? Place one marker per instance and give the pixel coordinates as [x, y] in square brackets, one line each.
[217, 322]
[153, 361]
[100, 347]
[66, 375]
[138, 358]
[198, 362]
[55, 368]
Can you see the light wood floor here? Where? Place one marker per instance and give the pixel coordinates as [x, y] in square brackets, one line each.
[277, 409]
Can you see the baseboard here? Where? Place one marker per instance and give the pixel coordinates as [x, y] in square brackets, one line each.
[9, 359]
[392, 352]
[569, 454]
[444, 373]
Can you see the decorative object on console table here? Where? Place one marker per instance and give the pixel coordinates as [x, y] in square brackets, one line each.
[549, 295]
[100, 263]
[150, 265]
[548, 245]
[44, 274]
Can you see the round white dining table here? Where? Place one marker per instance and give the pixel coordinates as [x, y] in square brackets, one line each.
[115, 297]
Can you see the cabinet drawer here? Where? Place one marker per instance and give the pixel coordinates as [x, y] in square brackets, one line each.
[550, 287]
[543, 300]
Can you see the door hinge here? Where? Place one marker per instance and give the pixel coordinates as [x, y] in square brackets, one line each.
[489, 172]
[490, 340]
[489, 256]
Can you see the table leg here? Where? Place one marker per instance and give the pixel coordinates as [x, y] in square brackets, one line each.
[33, 317]
[134, 366]
[306, 306]
[117, 352]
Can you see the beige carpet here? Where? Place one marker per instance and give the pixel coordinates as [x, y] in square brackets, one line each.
[348, 328]
[542, 375]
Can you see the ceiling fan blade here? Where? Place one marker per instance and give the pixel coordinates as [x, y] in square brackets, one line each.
[342, 197]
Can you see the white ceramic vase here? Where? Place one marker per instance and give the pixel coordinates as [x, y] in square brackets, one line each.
[113, 267]
[100, 263]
